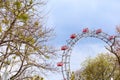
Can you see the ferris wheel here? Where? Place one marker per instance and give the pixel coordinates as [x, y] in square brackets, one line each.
[74, 38]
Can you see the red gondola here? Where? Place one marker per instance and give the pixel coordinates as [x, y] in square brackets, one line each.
[98, 31]
[60, 64]
[86, 30]
[73, 36]
[111, 37]
[64, 47]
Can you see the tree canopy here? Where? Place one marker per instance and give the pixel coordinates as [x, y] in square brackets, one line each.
[23, 39]
[103, 67]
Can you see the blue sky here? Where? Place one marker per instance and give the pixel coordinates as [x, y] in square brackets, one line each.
[71, 16]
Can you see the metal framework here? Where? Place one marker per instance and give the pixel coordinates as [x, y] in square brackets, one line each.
[74, 38]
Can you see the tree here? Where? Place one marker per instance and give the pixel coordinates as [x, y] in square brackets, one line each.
[103, 67]
[115, 47]
[23, 39]
[35, 78]
[72, 76]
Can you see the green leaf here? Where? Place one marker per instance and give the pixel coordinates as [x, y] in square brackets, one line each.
[5, 21]
[14, 57]
[18, 4]
[23, 17]
[0, 28]
[36, 23]
[21, 36]
[7, 62]
[47, 57]
[31, 1]
[30, 39]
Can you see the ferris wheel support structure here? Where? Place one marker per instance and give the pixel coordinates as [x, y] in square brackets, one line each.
[74, 38]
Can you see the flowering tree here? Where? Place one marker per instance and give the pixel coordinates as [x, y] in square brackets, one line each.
[115, 47]
[23, 39]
